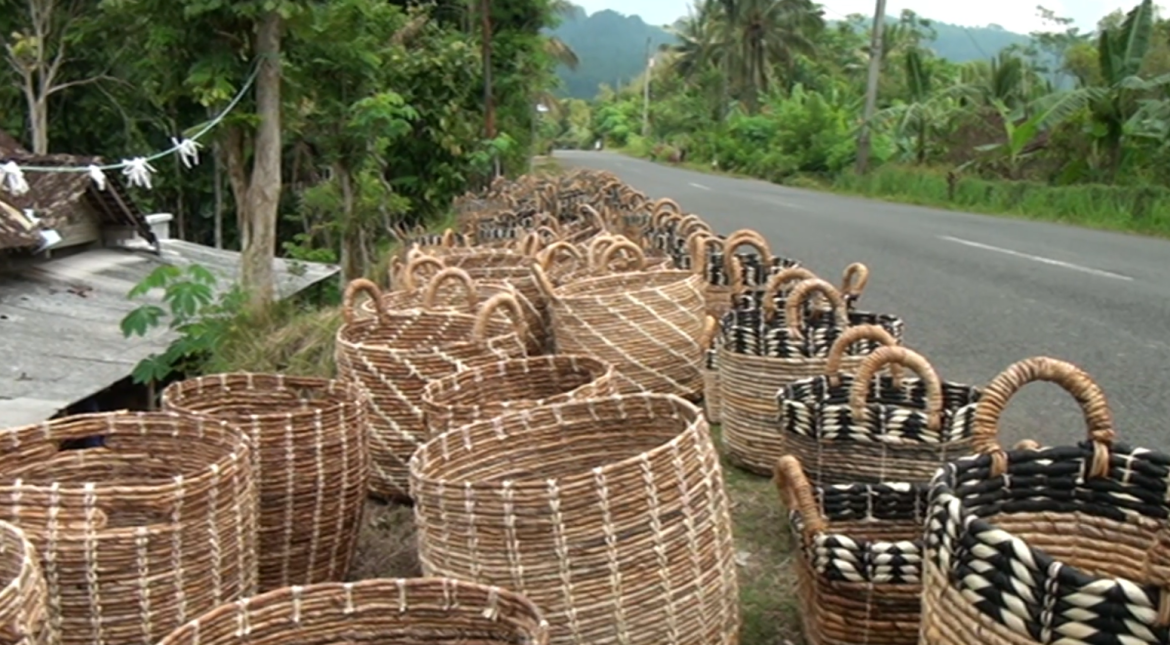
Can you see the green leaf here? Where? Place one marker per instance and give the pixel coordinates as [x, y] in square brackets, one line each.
[201, 274]
[151, 369]
[186, 298]
[157, 279]
[141, 320]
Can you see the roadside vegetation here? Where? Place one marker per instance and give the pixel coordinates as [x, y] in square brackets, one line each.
[1074, 127]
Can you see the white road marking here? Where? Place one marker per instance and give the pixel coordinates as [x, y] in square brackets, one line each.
[1037, 258]
[701, 186]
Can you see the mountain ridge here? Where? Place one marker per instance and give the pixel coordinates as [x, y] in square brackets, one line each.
[611, 46]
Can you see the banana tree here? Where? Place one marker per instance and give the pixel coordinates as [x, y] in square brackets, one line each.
[1022, 135]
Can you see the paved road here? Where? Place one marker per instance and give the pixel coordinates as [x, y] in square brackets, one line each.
[977, 293]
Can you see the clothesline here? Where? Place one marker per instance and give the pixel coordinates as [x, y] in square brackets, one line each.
[137, 170]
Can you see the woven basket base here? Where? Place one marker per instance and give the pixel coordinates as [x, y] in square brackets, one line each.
[949, 618]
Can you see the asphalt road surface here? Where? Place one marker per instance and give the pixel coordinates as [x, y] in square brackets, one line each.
[977, 293]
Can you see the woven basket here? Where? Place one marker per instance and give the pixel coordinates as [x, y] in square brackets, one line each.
[515, 269]
[453, 289]
[1054, 545]
[858, 428]
[706, 253]
[141, 534]
[604, 251]
[609, 514]
[24, 599]
[712, 397]
[748, 385]
[314, 465]
[647, 324]
[434, 611]
[392, 357]
[858, 566]
[492, 390]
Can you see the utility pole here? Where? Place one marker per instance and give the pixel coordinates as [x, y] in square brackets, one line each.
[871, 88]
[646, 92]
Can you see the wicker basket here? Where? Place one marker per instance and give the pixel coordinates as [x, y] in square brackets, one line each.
[139, 535]
[435, 611]
[858, 429]
[609, 514]
[24, 600]
[392, 357]
[605, 251]
[492, 390]
[749, 383]
[858, 566]
[1057, 545]
[314, 465]
[453, 289]
[712, 397]
[647, 324]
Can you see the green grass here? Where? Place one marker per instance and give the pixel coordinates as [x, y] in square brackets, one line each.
[1143, 210]
[764, 550]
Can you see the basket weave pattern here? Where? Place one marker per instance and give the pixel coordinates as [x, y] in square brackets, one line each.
[610, 514]
[748, 386]
[416, 610]
[492, 390]
[646, 324]
[867, 428]
[858, 568]
[142, 534]
[311, 435]
[1048, 545]
[24, 609]
[394, 355]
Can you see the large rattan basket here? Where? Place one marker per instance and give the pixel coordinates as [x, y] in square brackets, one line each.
[434, 611]
[314, 465]
[858, 560]
[748, 385]
[610, 514]
[862, 428]
[393, 355]
[1066, 544]
[141, 533]
[492, 390]
[24, 598]
[647, 324]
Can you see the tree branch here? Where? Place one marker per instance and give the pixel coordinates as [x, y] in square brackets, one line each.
[83, 81]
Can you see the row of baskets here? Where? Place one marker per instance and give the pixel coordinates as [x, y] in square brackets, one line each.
[567, 493]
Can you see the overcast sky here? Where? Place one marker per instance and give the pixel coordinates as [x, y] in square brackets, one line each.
[1014, 15]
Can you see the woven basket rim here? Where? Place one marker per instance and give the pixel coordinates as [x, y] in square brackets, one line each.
[496, 331]
[242, 451]
[900, 488]
[597, 369]
[342, 395]
[396, 591]
[438, 445]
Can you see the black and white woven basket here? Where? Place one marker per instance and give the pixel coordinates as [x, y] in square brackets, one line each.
[1051, 545]
[858, 566]
[868, 427]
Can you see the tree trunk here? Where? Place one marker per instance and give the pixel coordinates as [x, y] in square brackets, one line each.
[263, 198]
[217, 188]
[39, 124]
[233, 150]
[351, 252]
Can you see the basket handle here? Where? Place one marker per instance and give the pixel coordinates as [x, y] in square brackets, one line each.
[394, 273]
[748, 237]
[710, 328]
[1074, 380]
[447, 275]
[530, 244]
[851, 335]
[801, 293]
[883, 356]
[797, 494]
[666, 205]
[489, 307]
[546, 286]
[662, 217]
[349, 299]
[854, 280]
[620, 244]
[696, 245]
[412, 267]
[777, 282]
[449, 238]
[549, 254]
